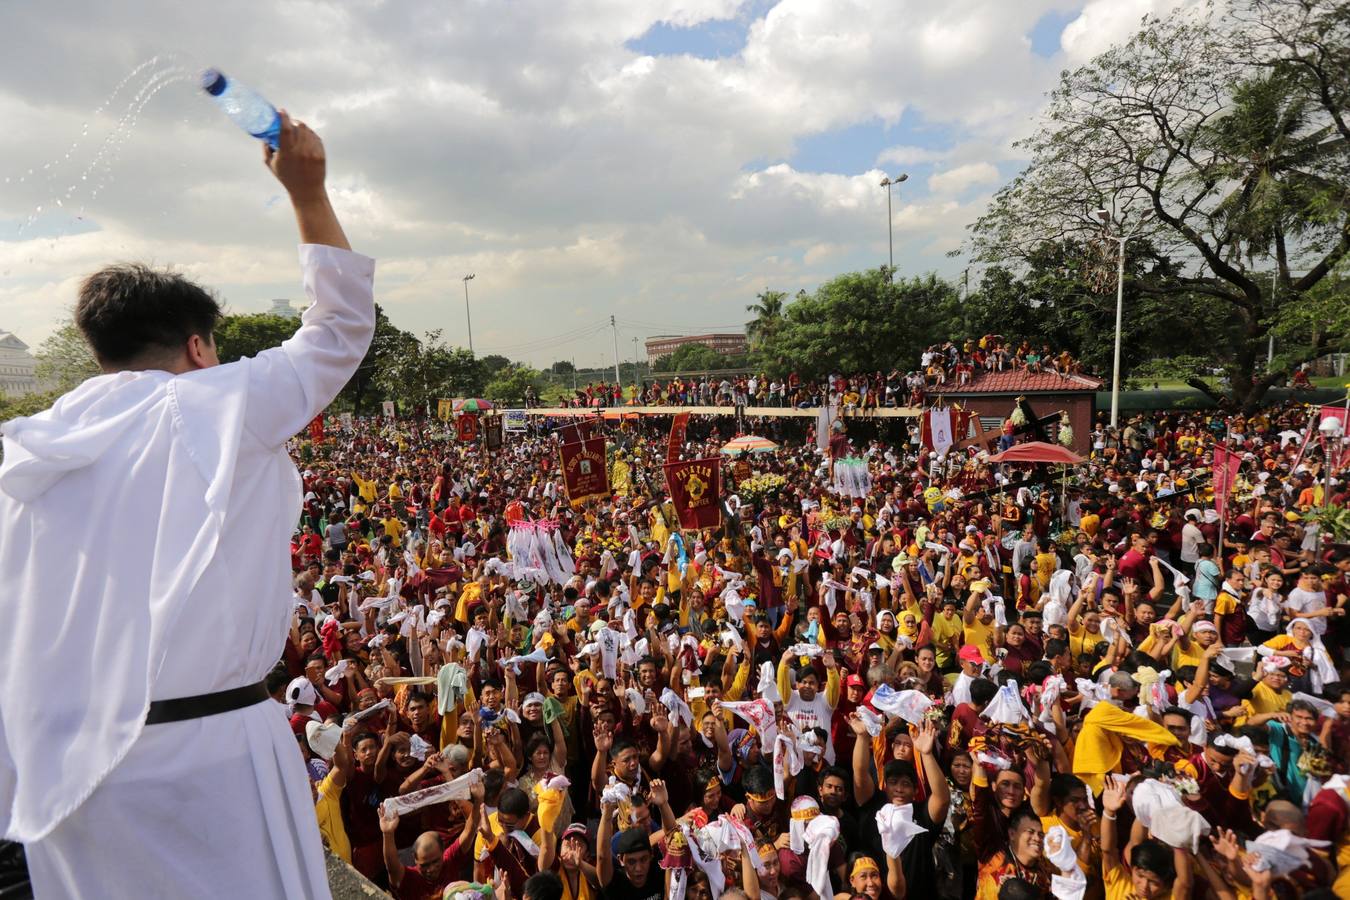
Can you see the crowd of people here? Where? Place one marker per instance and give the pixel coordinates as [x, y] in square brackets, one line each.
[945, 366]
[958, 678]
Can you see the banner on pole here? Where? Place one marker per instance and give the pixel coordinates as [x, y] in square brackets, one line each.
[1226, 465]
[585, 475]
[466, 427]
[695, 490]
[445, 409]
[316, 429]
[514, 420]
[388, 407]
[678, 426]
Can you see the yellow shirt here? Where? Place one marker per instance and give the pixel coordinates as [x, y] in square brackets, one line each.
[394, 528]
[1264, 700]
[482, 848]
[1090, 524]
[1082, 641]
[981, 636]
[943, 629]
[328, 809]
[1101, 741]
[1077, 838]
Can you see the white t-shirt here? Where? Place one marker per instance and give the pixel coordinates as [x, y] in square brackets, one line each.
[1191, 538]
[815, 713]
[1309, 601]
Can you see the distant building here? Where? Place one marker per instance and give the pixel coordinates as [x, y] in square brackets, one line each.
[282, 307]
[18, 368]
[726, 344]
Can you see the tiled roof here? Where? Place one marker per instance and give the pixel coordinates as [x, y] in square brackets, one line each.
[1020, 381]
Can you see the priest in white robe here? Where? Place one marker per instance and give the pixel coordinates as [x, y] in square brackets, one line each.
[144, 525]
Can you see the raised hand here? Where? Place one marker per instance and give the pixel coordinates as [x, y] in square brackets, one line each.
[604, 739]
[926, 740]
[389, 822]
[657, 795]
[1113, 797]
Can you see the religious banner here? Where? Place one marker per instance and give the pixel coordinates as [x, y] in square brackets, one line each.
[1226, 465]
[678, 426]
[388, 408]
[574, 432]
[939, 430]
[585, 474]
[316, 429]
[466, 427]
[492, 433]
[514, 420]
[445, 409]
[695, 489]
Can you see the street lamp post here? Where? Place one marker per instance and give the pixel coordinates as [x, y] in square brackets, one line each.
[890, 230]
[468, 321]
[1121, 237]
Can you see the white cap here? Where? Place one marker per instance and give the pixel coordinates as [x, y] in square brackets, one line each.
[300, 692]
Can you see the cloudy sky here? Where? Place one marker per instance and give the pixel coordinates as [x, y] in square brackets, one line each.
[661, 162]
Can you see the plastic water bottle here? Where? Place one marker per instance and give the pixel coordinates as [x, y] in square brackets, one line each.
[244, 106]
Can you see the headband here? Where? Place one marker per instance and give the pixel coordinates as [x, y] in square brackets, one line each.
[863, 864]
[766, 797]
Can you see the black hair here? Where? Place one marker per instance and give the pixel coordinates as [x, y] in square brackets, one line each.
[1154, 856]
[418, 697]
[493, 782]
[834, 772]
[982, 690]
[1062, 787]
[131, 312]
[899, 768]
[543, 886]
[363, 736]
[1055, 647]
[514, 802]
[758, 780]
[1038, 671]
[806, 669]
[277, 679]
[1303, 706]
[489, 683]
[1178, 711]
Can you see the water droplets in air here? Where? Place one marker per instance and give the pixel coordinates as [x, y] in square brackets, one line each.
[82, 172]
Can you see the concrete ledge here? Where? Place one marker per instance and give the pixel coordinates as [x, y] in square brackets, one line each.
[348, 884]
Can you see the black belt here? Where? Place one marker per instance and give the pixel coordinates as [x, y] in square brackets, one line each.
[203, 705]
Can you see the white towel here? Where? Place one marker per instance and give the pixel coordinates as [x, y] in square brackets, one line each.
[896, 825]
[821, 833]
[458, 789]
[768, 683]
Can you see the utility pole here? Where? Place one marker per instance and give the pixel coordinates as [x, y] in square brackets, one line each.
[467, 321]
[618, 381]
[890, 236]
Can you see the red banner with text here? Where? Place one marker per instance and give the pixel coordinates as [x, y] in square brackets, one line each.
[678, 426]
[696, 490]
[584, 472]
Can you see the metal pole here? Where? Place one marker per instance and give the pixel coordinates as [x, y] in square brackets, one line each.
[467, 321]
[1120, 304]
[618, 381]
[890, 236]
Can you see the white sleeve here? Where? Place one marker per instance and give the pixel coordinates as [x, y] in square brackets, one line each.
[290, 384]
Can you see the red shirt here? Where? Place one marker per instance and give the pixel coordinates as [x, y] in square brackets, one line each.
[416, 886]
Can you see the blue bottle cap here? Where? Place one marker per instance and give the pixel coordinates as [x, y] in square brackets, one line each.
[213, 82]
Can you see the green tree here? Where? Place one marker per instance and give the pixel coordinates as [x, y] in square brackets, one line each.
[861, 321]
[1219, 139]
[384, 348]
[510, 383]
[64, 360]
[250, 334]
[768, 310]
[690, 358]
[419, 372]
[494, 363]
[562, 367]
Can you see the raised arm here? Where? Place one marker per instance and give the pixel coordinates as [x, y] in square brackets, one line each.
[295, 381]
[388, 825]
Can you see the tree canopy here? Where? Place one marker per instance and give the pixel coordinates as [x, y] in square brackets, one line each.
[1217, 141]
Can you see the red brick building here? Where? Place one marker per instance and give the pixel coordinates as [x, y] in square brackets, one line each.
[992, 395]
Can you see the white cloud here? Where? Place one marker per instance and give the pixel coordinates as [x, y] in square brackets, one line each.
[957, 180]
[1106, 22]
[524, 142]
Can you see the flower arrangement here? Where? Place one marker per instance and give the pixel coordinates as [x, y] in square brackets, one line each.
[761, 486]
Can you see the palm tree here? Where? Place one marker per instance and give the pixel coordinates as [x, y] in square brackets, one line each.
[768, 310]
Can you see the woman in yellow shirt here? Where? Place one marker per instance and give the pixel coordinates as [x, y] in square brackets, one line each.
[1270, 697]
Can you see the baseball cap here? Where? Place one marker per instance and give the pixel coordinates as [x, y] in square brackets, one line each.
[578, 831]
[970, 653]
[854, 680]
[632, 841]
